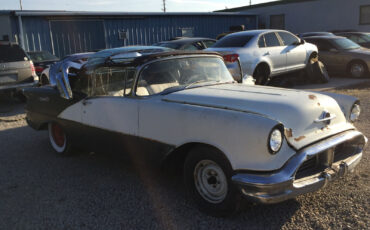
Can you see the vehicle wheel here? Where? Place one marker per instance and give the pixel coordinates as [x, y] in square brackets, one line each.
[207, 176]
[44, 80]
[261, 75]
[358, 69]
[59, 139]
[317, 73]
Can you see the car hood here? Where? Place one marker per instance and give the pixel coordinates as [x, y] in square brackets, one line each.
[296, 110]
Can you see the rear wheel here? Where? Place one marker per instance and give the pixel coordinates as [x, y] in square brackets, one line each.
[44, 80]
[59, 139]
[207, 176]
[261, 75]
[357, 69]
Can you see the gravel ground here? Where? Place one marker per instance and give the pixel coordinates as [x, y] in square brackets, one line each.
[40, 190]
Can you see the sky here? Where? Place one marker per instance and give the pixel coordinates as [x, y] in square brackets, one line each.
[126, 5]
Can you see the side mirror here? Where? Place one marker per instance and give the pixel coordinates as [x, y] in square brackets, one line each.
[301, 42]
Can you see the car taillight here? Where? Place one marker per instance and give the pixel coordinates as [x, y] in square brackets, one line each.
[33, 69]
[39, 69]
[231, 58]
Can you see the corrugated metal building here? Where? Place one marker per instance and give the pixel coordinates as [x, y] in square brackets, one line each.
[63, 32]
[300, 16]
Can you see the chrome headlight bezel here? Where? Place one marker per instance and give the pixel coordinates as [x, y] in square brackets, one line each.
[355, 112]
[275, 139]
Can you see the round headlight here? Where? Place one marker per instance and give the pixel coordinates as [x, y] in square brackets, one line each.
[275, 140]
[355, 112]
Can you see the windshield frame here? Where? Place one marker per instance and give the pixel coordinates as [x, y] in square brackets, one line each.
[142, 67]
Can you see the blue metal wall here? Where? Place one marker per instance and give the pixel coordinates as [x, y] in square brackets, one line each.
[63, 36]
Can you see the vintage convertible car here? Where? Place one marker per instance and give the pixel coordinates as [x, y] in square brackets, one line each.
[233, 140]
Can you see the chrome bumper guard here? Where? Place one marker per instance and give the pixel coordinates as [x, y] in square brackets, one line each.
[284, 183]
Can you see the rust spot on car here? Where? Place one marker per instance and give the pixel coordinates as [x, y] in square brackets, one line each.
[318, 103]
[288, 133]
[299, 138]
[312, 97]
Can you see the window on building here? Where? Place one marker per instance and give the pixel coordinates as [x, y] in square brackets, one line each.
[271, 40]
[277, 21]
[365, 15]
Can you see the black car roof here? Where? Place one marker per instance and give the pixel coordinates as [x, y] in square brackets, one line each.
[183, 41]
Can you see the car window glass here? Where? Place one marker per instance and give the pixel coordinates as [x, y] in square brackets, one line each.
[110, 81]
[42, 56]
[12, 53]
[354, 38]
[209, 43]
[190, 47]
[271, 40]
[288, 39]
[261, 41]
[178, 73]
[345, 44]
[321, 44]
[233, 41]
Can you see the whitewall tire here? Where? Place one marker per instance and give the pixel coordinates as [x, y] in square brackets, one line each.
[58, 139]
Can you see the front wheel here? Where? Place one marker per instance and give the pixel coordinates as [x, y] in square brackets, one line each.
[207, 176]
[59, 140]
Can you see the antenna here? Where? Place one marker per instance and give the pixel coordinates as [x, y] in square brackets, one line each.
[164, 6]
[20, 4]
[250, 2]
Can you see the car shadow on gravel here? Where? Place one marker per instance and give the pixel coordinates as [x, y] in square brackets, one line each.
[10, 106]
[40, 189]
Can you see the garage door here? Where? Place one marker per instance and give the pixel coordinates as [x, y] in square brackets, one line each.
[75, 36]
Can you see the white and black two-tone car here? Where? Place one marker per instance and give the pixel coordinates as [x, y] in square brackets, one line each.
[233, 140]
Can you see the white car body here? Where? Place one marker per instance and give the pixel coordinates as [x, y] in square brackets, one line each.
[279, 59]
[160, 114]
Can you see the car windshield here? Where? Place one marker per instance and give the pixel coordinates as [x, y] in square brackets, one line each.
[169, 45]
[345, 44]
[42, 56]
[233, 41]
[176, 74]
[366, 37]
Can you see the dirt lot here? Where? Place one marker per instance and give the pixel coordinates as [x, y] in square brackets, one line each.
[39, 190]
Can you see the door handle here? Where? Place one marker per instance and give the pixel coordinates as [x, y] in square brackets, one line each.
[267, 53]
[86, 102]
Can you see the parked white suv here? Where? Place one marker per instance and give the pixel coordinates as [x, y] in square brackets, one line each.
[264, 54]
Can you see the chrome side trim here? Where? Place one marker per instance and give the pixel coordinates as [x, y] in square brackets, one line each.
[281, 185]
[18, 86]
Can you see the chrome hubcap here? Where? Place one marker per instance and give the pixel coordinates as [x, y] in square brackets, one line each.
[357, 70]
[210, 181]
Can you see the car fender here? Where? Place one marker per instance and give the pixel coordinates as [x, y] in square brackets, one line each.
[345, 102]
[310, 48]
[241, 136]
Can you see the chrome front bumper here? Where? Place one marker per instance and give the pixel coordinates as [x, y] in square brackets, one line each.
[286, 183]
